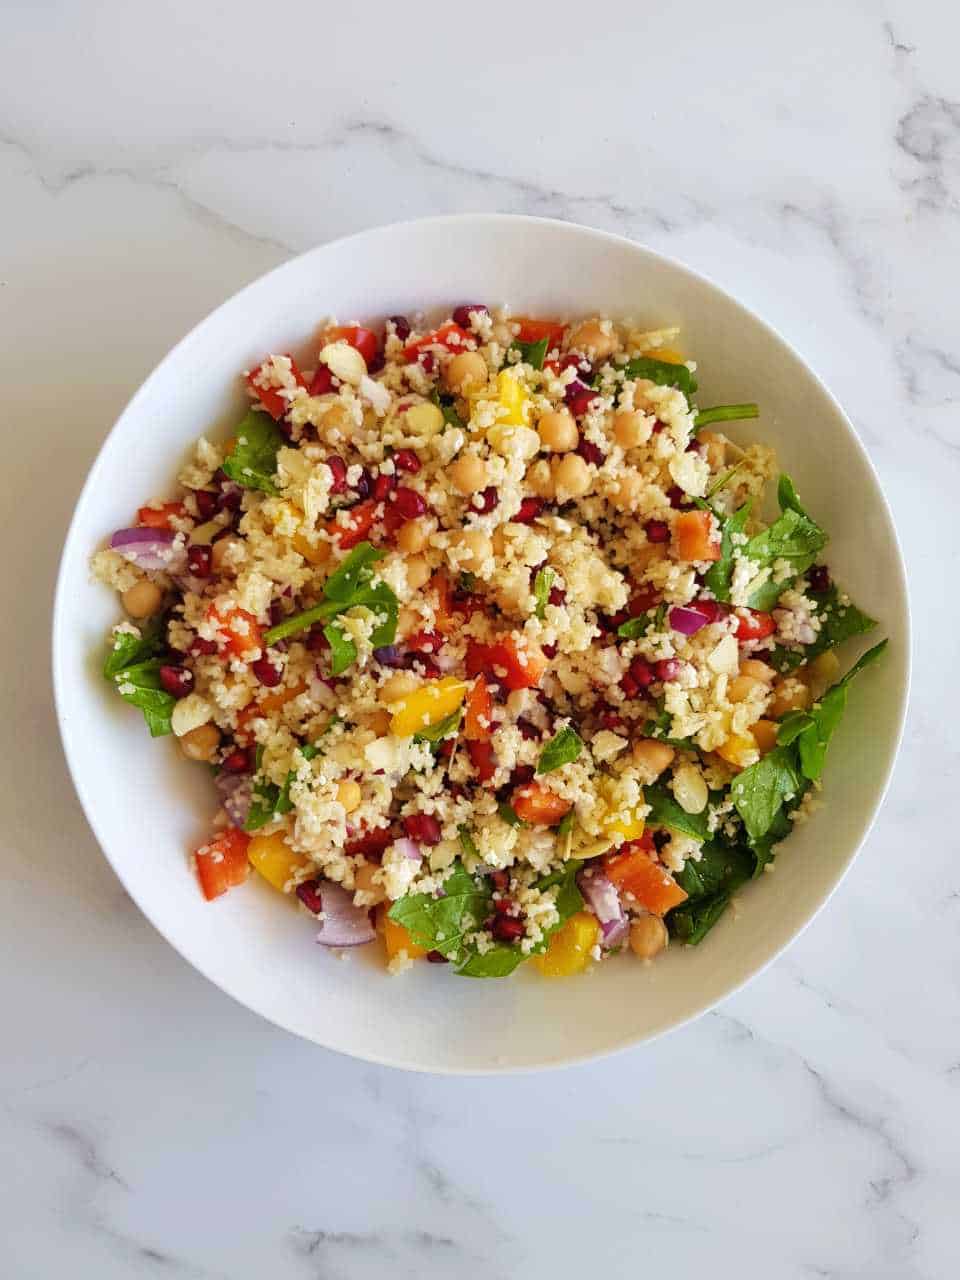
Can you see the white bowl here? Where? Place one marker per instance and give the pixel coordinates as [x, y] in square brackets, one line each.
[148, 807]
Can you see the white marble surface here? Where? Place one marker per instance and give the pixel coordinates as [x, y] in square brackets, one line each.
[152, 160]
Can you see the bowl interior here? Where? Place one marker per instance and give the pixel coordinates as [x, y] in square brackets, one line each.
[148, 808]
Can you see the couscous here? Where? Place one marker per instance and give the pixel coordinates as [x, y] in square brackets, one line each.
[480, 630]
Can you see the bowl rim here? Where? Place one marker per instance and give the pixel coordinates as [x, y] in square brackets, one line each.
[291, 266]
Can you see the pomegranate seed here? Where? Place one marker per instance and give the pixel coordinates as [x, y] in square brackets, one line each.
[676, 496]
[427, 361]
[819, 578]
[230, 496]
[321, 382]
[377, 363]
[694, 447]
[642, 672]
[657, 531]
[629, 685]
[425, 642]
[237, 761]
[309, 895]
[507, 929]
[409, 504]
[201, 647]
[401, 327]
[574, 360]
[500, 880]
[485, 501]
[206, 503]
[199, 561]
[446, 749]
[422, 827]
[461, 314]
[668, 669]
[406, 460]
[437, 957]
[711, 609]
[658, 426]
[383, 486]
[177, 681]
[610, 720]
[521, 775]
[557, 596]
[579, 398]
[338, 473]
[549, 651]
[423, 663]
[268, 674]
[530, 508]
[528, 730]
[364, 484]
[316, 641]
[590, 452]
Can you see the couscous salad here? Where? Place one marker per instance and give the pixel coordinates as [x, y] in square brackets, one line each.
[484, 638]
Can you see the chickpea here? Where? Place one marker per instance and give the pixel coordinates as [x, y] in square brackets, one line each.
[789, 694]
[468, 474]
[363, 880]
[408, 621]
[558, 431]
[479, 548]
[418, 572]
[540, 479]
[652, 757]
[572, 476]
[413, 537]
[716, 449]
[200, 743]
[648, 937]
[398, 686]
[590, 338]
[336, 423]
[631, 428]
[742, 687]
[757, 670]
[765, 735]
[222, 553]
[628, 492]
[465, 372]
[142, 600]
[349, 794]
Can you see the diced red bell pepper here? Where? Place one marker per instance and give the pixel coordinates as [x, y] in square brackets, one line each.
[752, 624]
[239, 630]
[478, 718]
[370, 844]
[355, 525]
[536, 803]
[537, 330]
[159, 517]
[482, 758]
[522, 663]
[651, 885]
[270, 397]
[222, 863]
[363, 340]
[642, 601]
[449, 335]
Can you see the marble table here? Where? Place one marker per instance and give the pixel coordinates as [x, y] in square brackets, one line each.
[152, 161]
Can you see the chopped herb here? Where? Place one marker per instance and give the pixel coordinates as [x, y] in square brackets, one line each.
[759, 792]
[343, 652]
[532, 353]
[718, 577]
[253, 462]
[444, 728]
[541, 589]
[139, 684]
[725, 413]
[665, 812]
[662, 373]
[560, 750]
[509, 815]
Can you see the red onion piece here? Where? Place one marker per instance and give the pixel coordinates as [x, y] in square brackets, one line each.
[236, 791]
[408, 848]
[687, 621]
[343, 925]
[151, 549]
[604, 901]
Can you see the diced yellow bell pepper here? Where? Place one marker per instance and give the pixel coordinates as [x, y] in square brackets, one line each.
[568, 951]
[313, 554]
[627, 824]
[397, 939]
[514, 400]
[275, 860]
[666, 354]
[739, 750]
[427, 706]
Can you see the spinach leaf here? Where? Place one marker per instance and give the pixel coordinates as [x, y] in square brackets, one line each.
[343, 652]
[268, 800]
[759, 792]
[139, 684]
[837, 623]
[253, 462]
[792, 537]
[447, 407]
[722, 481]
[665, 812]
[532, 353]
[351, 586]
[562, 749]
[442, 923]
[498, 961]
[725, 413]
[442, 729]
[720, 574]
[710, 883]
[509, 815]
[788, 497]
[565, 825]
[502, 958]
[467, 842]
[127, 649]
[541, 589]
[662, 373]
[635, 628]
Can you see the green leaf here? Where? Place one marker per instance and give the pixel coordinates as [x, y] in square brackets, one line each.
[444, 728]
[837, 624]
[269, 800]
[467, 580]
[635, 628]
[541, 590]
[350, 587]
[662, 373]
[446, 406]
[467, 842]
[824, 717]
[759, 792]
[725, 479]
[710, 883]
[788, 497]
[441, 924]
[509, 815]
[791, 726]
[502, 958]
[665, 812]
[532, 353]
[718, 577]
[139, 684]
[126, 649]
[343, 652]
[253, 462]
[499, 961]
[353, 575]
[562, 749]
[565, 825]
[792, 537]
[726, 413]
